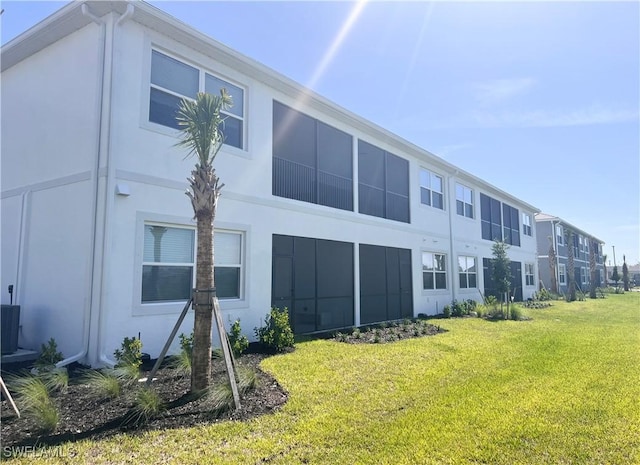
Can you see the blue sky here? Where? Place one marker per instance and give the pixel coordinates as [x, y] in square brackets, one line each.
[540, 99]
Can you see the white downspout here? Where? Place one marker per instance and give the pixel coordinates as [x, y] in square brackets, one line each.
[109, 188]
[87, 320]
[451, 248]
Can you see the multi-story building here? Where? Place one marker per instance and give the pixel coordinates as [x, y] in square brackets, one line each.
[556, 240]
[323, 212]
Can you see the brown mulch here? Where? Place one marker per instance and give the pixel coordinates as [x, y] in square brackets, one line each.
[84, 414]
[390, 332]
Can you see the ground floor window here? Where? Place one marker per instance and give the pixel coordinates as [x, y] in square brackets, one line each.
[529, 274]
[168, 263]
[562, 274]
[467, 272]
[434, 271]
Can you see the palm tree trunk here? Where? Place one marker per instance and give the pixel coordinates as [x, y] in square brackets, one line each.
[572, 268]
[552, 268]
[592, 270]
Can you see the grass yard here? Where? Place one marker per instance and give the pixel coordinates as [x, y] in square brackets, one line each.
[563, 388]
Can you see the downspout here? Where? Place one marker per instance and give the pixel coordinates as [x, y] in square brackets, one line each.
[451, 248]
[87, 320]
[109, 188]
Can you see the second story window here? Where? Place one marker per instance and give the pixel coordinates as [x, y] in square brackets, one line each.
[526, 224]
[464, 201]
[172, 80]
[559, 235]
[431, 189]
[499, 221]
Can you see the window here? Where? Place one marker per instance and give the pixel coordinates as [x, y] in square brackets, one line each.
[431, 189]
[228, 264]
[168, 264]
[583, 275]
[559, 235]
[499, 221]
[383, 184]
[434, 271]
[586, 245]
[173, 80]
[464, 201]
[581, 243]
[467, 272]
[526, 224]
[562, 274]
[312, 161]
[529, 274]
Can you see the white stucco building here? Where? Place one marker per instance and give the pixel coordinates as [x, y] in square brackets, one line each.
[322, 211]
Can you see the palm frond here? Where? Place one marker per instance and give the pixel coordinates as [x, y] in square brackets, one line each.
[201, 123]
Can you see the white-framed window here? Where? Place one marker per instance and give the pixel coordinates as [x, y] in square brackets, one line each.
[172, 80]
[586, 245]
[168, 263]
[434, 271]
[562, 274]
[228, 253]
[559, 234]
[583, 275]
[464, 201]
[467, 272]
[581, 243]
[526, 224]
[431, 189]
[529, 275]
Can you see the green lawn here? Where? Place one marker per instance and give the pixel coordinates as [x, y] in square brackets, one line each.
[563, 388]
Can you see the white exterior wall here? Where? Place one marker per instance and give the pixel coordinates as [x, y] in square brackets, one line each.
[49, 137]
[143, 158]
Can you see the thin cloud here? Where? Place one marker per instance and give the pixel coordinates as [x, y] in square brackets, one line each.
[593, 115]
[500, 90]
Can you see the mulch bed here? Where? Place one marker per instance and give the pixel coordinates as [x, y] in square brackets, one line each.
[391, 332]
[84, 414]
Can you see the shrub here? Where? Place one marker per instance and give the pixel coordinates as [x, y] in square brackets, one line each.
[516, 313]
[35, 402]
[457, 309]
[49, 355]
[220, 397]
[356, 333]
[103, 383]
[56, 379]
[239, 342]
[147, 405]
[182, 361]
[130, 352]
[126, 374]
[247, 379]
[481, 311]
[446, 311]
[276, 335]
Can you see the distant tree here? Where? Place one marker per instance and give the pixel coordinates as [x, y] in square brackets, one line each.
[571, 294]
[553, 259]
[501, 272]
[615, 277]
[625, 273]
[592, 268]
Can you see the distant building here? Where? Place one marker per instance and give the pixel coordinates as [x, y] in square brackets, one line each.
[553, 232]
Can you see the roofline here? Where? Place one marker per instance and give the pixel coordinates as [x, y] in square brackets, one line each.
[556, 219]
[70, 19]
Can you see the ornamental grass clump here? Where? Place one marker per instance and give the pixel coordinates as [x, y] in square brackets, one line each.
[147, 405]
[35, 402]
[103, 383]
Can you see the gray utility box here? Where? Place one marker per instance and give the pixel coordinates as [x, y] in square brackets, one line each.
[9, 325]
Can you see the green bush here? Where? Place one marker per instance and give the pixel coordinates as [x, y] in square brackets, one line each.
[446, 311]
[276, 335]
[182, 361]
[130, 352]
[239, 342]
[49, 355]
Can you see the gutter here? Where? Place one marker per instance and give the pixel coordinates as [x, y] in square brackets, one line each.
[93, 314]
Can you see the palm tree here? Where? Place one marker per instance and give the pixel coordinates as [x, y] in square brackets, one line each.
[604, 265]
[592, 270]
[201, 122]
[552, 267]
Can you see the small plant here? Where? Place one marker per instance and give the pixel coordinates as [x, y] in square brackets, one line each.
[130, 352]
[216, 353]
[516, 313]
[376, 338]
[49, 355]
[239, 342]
[182, 360]
[56, 379]
[276, 334]
[446, 311]
[103, 383]
[220, 397]
[35, 402]
[356, 333]
[147, 405]
[481, 311]
[247, 379]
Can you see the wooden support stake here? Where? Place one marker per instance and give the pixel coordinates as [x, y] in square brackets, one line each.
[6, 393]
[226, 351]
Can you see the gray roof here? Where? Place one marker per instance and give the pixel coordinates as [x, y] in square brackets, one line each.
[542, 217]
